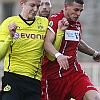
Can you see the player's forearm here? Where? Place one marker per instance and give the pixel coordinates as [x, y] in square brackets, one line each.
[84, 48]
[50, 49]
[4, 46]
[56, 45]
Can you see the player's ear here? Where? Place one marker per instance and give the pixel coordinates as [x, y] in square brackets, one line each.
[65, 6]
[21, 2]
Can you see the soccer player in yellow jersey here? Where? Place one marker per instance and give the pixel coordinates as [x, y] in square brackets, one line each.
[21, 43]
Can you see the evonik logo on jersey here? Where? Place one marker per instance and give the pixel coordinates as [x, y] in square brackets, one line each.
[33, 36]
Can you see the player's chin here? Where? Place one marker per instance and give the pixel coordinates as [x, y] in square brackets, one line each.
[75, 19]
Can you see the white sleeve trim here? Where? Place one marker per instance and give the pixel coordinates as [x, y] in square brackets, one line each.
[51, 29]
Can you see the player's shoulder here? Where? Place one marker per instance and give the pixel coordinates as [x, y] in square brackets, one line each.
[44, 21]
[57, 16]
[41, 18]
[10, 19]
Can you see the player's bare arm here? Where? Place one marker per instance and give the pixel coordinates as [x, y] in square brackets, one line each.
[84, 48]
[62, 60]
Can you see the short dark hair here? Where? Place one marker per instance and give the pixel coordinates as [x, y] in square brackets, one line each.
[71, 1]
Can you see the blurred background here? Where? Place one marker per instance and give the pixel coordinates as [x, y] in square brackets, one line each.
[90, 20]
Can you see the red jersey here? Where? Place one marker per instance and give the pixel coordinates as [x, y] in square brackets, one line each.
[69, 47]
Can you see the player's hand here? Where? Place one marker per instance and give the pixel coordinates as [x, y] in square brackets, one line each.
[63, 24]
[97, 58]
[12, 29]
[63, 61]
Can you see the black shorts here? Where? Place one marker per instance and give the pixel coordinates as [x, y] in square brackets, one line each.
[19, 87]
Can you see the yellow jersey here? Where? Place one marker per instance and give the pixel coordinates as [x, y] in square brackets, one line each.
[25, 49]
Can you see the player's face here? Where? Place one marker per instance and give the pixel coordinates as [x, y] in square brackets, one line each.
[45, 8]
[30, 8]
[74, 11]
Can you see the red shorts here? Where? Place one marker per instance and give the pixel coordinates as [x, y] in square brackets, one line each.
[65, 88]
[43, 89]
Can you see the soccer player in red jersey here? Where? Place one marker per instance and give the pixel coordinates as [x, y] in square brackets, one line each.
[65, 79]
[44, 11]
